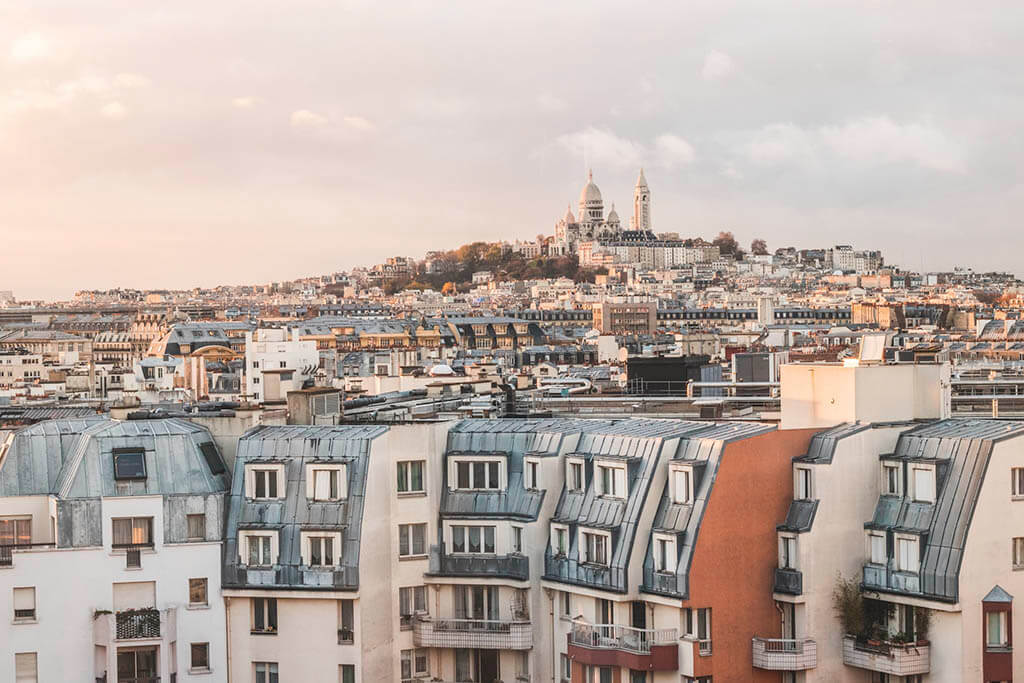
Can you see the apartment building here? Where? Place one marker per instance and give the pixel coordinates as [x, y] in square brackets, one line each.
[110, 543]
[19, 367]
[276, 362]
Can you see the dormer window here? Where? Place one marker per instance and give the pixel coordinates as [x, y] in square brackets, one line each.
[477, 474]
[321, 549]
[129, 464]
[611, 480]
[681, 484]
[574, 475]
[326, 482]
[924, 484]
[787, 552]
[892, 479]
[531, 473]
[664, 553]
[559, 540]
[256, 548]
[804, 483]
[264, 482]
[908, 554]
[877, 551]
[594, 547]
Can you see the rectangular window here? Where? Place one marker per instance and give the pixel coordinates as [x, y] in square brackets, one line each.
[321, 551]
[411, 600]
[25, 667]
[595, 548]
[326, 484]
[264, 615]
[197, 593]
[1018, 553]
[472, 539]
[412, 540]
[664, 555]
[891, 480]
[787, 552]
[132, 531]
[25, 604]
[559, 540]
[346, 622]
[196, 527]
[212, 457]
[200, 657]
[612, 481]
[907, 554]
[879, 553]
[265, 672]
[567, 604]
[410, 476]
[924, 484]
[575, 476]
[129, 464]
[16, 531]
[995, 629]
[682, 479]
[348, 673]
[259, 551]
[264, 484]
[1017, 481]
[414, 663]
[803, 484]
[517, 539]
[477, 474]
[531, 474]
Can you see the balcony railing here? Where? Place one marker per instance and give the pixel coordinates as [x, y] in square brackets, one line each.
[662, 583]
[473, 633]
[615, 637]
[506, 566]
[788, 581]
[563, 568]
[896, 659]
[7, 551]
[137, 624]
[785, 654]
[881, 577]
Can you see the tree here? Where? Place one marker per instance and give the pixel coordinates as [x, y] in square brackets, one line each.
[449, 288]
[759, 247]
[726, 243]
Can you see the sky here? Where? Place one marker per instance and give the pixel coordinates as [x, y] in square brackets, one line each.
[185, 144]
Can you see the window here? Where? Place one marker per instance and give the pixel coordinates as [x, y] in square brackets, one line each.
[197, 593]
[264, 615]
[259, 547]
[477, 474]
[517, 539]
[1017, 482]
[531, 474]
[611, 481]
[25, 667]
[347, 673]
[212, 457]
[326, 483]
[264, 483]
[698, 623]
[877, 548]
[891, 479]
[1018, 553]
[411, 600]
[414, 663]
[995, 629]
[567, 604]
[410, 476]
[787, 552]
[566, 667]
[200, 657]
[472, 539]
[664, 554]
[265, 672]
[412, 540]
[907, 554]
[16, 531]
[24, 604]
[682, 485]
[196, 527]
[346, 622]
[595, 547]
[129, 464]
[574, 475]
[132, 531]
[924, 484]
[804, 491]
[321, 551]
[559, 540]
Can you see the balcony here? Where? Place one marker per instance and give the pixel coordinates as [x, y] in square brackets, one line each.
[895, 659]
[7, 551]
[788, 581]
[134, 625]
[785, 654]
[568, 570]
[662, 583]
[473, 633]
[880, 577]
[504, 566]
[614, 645]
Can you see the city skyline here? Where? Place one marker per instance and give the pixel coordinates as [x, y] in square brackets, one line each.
[349, 128]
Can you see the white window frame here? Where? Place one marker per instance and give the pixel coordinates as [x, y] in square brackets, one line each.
[408, 527]
[928, 470]
[1017, 552]
[531, 473]
[466, 526]
[570, 464]
[618, 480]
[516, 538]
[886, 465]
[1001, 624]
[407, 465]
[803, 483]
[250, 480]
[453, 473]
[788, 552]
[876, 541]
[342, 483]
[681, 497]
[584, 549]
[31, 592]
[912, 562]
[560, 531]
[243, 545]
[308, 538]
[1017, 483]
[668, 542]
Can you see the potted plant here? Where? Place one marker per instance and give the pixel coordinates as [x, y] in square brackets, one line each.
[923, 618]
[849, 606]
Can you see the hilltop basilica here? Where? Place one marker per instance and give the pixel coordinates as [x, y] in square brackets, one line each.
[593, 224]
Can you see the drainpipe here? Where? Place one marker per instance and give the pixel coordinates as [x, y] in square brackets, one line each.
[554, 652]
[227, 626]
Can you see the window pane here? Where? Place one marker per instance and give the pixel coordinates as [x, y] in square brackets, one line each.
[419, 534]
[458, 539]
[416, 476]
[492, 471]
[489, 539]
[403, 477]
[463, 475]
[479, 475]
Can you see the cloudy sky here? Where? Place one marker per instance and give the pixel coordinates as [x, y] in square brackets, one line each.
[201, 143]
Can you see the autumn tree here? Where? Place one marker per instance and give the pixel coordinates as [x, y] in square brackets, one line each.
[449, 288]
[726, 243]
[759, 247]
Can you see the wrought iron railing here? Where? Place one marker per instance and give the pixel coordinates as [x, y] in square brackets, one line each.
[564, 568]
[507, 566]
[615, 637]
[789, 581]
[7, 551]
[137, 624]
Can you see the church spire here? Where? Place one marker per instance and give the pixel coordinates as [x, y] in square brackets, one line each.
[641, 204]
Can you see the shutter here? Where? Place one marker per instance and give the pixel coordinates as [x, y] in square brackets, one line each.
[24, 599]
[620, 482]
[134, 595]
[25, 667]
[321, 484]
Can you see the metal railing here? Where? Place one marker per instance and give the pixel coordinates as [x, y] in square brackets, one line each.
[137, 624]
[473, 633]
[7, 551]
[704, 647]
[662, 582]
[789, 581]
[507, 566]
[346, 636]
[563, 568]
[785, 654]
[615, 637]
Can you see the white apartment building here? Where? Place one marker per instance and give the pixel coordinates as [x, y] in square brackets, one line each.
[19, 367]
[276, 362]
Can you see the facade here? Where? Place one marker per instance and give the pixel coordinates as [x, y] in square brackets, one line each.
[277, 362]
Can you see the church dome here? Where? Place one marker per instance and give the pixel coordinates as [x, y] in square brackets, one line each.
[613, 215]
[569, 218]
[590, 194]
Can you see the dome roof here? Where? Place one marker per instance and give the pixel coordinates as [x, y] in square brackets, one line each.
[590, 193]
[569, 218]
[613, 215]
[441, 370]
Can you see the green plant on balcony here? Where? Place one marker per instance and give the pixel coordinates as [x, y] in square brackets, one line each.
[849, 607]
[923, 620]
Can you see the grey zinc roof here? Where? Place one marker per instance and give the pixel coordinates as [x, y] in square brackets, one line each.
[74, 459]
[960, 449]
[997, 594]
[823, 444]
[295, 446]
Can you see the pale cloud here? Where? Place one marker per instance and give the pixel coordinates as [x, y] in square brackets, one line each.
[114, 111]
[358, 122]
[550, 103]
[306, 118]
[128, 80]
[717, 65]
[880, 140]
[672, 150]
[31, 47]
[777, 143]
[600, 146]
[244, 102]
